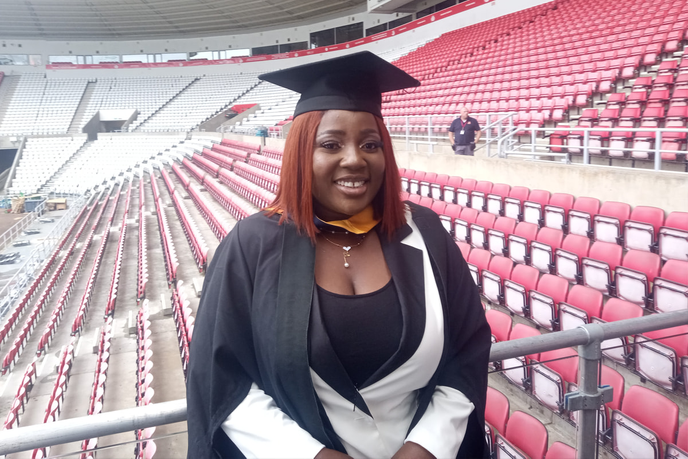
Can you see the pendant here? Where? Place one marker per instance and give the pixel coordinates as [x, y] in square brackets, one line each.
[346, 255]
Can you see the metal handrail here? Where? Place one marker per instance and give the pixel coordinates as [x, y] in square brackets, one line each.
[86, 427]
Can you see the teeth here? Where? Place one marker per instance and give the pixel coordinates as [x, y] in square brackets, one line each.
[350, 184]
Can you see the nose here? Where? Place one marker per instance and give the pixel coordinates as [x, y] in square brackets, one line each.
[352, 157]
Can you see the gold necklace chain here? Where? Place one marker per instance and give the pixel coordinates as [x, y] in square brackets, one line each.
[346, 248]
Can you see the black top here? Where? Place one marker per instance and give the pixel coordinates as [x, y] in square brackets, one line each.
[364, 330]
[468, 127]
[353, 82]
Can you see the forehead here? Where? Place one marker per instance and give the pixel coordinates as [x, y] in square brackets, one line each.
[345, 120]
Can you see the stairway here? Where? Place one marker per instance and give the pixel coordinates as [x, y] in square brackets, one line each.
[78, 120]
[7, 88]
[167, 103]
[48, 186]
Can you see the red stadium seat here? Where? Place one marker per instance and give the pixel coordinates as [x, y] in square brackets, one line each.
[500, 324]
[670, 290]
[465, 249]
[533, 208]
[615, 309]
[582, 303]
[425, 201]
[496, 414]
[493, 278]
[634, 277]
[495, 199]
[477, 261]
[568, 258]
[517, 289]
[544, 301]
[582, 214]
[519, 242]
[451, 213]
[424, 184]
[526, 437]
[463, 192]
[497, 237]
[550, 379]
[680, 449]
[610, 220]
[557, 211]
[513, 205]
[438, 206]
[660, 360]
[515, 369]
[414, 182]
[673, 237]
[642, 227]
[560, 450]
[479, 195]
[478, 230]
[542, 249]
[646, 419]
[450, 189]
[598, 267]
[462, 224]
[436, 187]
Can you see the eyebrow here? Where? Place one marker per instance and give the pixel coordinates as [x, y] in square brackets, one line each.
[340, 132]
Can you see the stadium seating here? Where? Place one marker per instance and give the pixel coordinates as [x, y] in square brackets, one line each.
[645, 420]
[496, 415]
[670, 289]
[526, 437]
[550, 379]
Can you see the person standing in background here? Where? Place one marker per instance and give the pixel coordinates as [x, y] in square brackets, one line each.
[464, 132]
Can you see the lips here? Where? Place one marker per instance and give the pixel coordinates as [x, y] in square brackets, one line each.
[352, 187]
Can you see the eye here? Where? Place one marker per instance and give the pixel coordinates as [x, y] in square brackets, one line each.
[371, 146]
[329, 145]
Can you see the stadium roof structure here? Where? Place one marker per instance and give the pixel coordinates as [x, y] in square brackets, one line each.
[154, 19]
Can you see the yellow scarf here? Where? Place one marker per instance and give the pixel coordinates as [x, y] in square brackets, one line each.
[360, 223]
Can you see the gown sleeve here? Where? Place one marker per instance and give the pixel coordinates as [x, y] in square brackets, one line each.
[223, 378]
[453, 424]
[260, 429]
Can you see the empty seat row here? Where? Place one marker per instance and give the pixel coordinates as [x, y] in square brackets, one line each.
[21, 397]
[197, 244]
[184, 322]
[119, 255]
[142, 272]
[218, 226]
[169, 252]
[144, 377]
[259, 197]
[95, 404]
[57, 395]
[641, 228]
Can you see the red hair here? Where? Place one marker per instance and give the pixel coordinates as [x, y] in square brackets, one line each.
[295, 196]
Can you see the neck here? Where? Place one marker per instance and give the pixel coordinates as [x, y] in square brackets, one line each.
[464, 118]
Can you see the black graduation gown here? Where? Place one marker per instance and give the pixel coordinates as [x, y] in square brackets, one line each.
[252, 325]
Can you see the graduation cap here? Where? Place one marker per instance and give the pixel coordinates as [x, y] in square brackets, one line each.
[353, 82]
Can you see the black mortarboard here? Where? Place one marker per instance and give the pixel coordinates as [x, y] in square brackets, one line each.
[353, 82]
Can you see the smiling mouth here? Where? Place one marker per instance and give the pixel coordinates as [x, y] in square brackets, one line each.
[351, 184]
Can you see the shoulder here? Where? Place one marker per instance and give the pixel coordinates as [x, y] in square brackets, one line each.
[473, 120]
[424, 218]
[251, 233]
[453, 123]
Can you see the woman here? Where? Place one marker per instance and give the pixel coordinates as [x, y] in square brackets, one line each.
[342, 322]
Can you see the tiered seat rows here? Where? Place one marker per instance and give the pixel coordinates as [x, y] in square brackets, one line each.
[86, 298]
[114, 281]
[559, 281]
[58, 310]
[144, 378]
[171, 262]
[52, 412]
[142, 278]
[40, 159]
[95, 404]
[20, 341]
[659, 102]
[33, 288]
[193, 234]
[184, 321]
[22, 396]
[219, 227]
